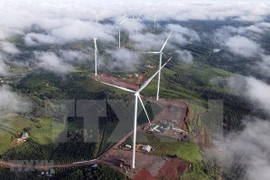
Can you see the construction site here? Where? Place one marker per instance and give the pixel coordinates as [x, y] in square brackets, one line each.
[170, 122]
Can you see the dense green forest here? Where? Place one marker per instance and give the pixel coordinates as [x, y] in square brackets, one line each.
[101, 172]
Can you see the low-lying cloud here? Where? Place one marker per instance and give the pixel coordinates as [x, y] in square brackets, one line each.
[254, 90]
[51, 62]
[185, 56]
[123, 59]
[9, 47]
[242, 46]
[249, 149]
[11, 102]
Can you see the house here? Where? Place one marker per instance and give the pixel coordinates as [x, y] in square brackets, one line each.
[23, 137]
[147, 148]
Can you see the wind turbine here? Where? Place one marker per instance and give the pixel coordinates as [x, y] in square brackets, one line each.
[137, 96]
[119, 33]
[96, 48]
[136, 20]
[160, 61]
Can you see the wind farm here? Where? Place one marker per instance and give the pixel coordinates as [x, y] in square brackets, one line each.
[135, 89]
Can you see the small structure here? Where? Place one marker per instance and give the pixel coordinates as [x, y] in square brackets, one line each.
[48, 173]
[179, 130]
[128, 146]
[23, 137]
[150, 66]
[154, 126]
[147, 148]
[166, 127]
[51, 172]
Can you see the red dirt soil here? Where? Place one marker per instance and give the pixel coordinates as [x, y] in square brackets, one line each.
[144, 175]
[172, 169]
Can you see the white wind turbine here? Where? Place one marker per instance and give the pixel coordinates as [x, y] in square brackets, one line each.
[137, 96]
[119, 33]
[160, 61]
[96, 48]
[136, 20]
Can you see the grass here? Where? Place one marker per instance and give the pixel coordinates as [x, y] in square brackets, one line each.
[75, 123]
[40, 130]
[166, 146]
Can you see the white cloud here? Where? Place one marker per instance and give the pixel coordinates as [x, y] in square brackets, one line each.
[71, 56]
[3, 69]
[11, 102]
[190, 34]
[2, 35]
[150, 42]
[9, 47]
[51, 62]
[185, 55]
[250, 149]
[39, 39]
[123, 58]
[254, 90]
[242, 46]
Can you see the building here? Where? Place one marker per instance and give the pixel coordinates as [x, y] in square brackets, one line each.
[128, 146]
[23, 137]
[147, 148]
[179, 130]
[150, 66]
[154, 126]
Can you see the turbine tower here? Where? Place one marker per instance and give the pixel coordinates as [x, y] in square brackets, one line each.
[136, 20]
[137, 96]
[96, 54]
[155, 20]
[119, 33]
[96, 48]
[160, 61]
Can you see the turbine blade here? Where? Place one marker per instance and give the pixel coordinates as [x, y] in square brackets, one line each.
[152, 52]
[166, 42]
[144, 109]
[152, 77]
[119, 87]
[138, 17]
[122, 21]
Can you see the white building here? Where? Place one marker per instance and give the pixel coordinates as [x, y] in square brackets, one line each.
[147, 148]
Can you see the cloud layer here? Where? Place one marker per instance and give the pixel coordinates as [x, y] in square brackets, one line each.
[254, 90]
[11, 102]
[52, 62]
[250, 150]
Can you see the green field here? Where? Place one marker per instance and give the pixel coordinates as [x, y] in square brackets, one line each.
[40, 130]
